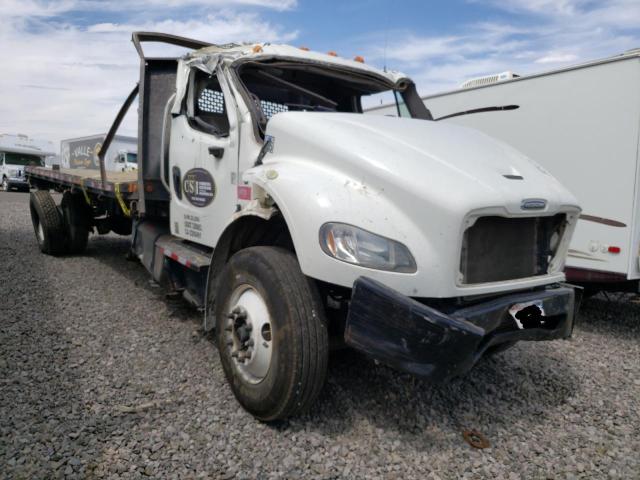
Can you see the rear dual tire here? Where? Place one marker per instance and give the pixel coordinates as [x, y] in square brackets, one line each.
[76, 215]
[284, 369]
[63, 229]
[48, 223]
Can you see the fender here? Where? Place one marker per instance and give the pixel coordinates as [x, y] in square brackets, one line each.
[308, 195]
[253, 211]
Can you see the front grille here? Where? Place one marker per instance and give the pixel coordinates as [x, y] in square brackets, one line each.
[495, 249]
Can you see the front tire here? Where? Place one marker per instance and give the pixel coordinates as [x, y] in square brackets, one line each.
[47, 223]
[271, 333]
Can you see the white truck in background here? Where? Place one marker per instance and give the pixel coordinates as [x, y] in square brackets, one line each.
[82, 153]
[269, 201]
[582, 123]
[16, 152]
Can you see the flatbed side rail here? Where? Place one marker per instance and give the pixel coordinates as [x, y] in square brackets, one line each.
[109, 188]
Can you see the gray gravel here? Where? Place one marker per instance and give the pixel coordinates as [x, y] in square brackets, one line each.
[101, 377]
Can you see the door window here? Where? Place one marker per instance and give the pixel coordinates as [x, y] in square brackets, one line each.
[209, 108]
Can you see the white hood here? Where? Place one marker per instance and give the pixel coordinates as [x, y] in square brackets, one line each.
[421, 158]
[418, 182]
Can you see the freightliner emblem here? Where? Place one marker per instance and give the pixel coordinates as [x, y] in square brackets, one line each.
[533, 204]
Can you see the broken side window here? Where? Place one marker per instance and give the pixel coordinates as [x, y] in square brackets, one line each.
[209, 109]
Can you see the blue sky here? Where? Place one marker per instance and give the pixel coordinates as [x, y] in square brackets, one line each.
[68, 64]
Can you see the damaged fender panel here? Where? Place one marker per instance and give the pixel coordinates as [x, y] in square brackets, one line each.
[413, 337]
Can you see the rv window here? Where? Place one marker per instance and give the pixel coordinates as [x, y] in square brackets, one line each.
[209, 109]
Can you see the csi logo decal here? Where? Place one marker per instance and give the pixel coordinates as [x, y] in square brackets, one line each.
[198, 186]
[533, 204]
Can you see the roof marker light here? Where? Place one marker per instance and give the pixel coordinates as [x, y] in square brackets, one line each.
[331, 53]
[306, 49]
[257, 48]
[358, 58]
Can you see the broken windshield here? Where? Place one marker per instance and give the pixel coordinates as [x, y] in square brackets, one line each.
[280, 86]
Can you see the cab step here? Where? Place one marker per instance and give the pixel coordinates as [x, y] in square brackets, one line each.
[192, 256]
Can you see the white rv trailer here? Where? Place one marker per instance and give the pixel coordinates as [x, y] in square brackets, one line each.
[16, 152]
[582, 124]
[82, 153]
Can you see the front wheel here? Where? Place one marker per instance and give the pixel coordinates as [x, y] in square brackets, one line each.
[271, 333]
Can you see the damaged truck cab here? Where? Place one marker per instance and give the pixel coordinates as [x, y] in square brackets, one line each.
[272, 203]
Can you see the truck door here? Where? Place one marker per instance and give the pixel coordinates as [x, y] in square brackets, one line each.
[203, 160]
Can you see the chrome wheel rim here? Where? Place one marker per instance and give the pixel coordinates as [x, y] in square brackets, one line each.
[248, 335]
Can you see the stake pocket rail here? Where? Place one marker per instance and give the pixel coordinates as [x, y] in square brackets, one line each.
[124, 182]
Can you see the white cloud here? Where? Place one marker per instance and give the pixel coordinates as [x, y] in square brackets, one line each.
[552, 33]
[546, 7]
[557, 57]
[34, 8]
[49, 8]
[61, 80]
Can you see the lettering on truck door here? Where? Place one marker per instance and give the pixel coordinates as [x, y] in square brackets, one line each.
[203, 158]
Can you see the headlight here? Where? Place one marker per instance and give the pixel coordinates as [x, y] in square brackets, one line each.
[359, 247]
[13, 172]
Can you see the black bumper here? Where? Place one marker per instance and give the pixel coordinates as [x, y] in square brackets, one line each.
[410, 336]
[17, 183]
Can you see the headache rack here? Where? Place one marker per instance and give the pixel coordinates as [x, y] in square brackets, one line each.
[497, 249]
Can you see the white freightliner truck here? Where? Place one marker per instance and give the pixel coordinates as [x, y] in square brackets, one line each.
[267, 198]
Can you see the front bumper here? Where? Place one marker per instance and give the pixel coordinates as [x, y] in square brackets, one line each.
[408, 335]
[17, 183]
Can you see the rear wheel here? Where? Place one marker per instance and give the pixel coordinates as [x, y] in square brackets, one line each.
[271, 333]
[76, 215]
[47, 223]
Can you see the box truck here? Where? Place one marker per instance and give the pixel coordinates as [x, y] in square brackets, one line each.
[275, 206]
[82, 152]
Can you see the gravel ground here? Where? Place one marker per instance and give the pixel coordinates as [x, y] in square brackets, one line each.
[101, 377]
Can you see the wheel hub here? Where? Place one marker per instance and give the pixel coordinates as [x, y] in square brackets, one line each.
[248, 334]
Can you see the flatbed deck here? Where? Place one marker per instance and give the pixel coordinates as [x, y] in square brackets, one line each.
[121, 183]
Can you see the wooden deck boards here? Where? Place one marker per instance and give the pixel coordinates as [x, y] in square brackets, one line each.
[123, 182]
[115, 177]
